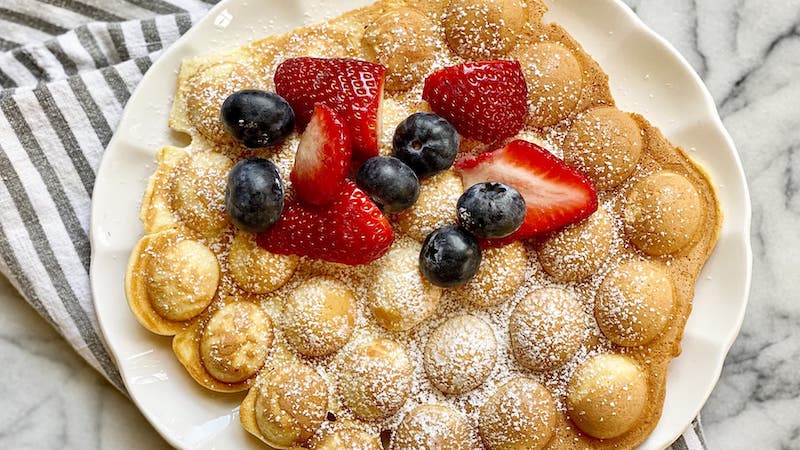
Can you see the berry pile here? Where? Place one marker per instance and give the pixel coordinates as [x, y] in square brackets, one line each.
[336, 104]
[514, 193]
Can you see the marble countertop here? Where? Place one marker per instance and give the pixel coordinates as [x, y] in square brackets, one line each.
[748, 52]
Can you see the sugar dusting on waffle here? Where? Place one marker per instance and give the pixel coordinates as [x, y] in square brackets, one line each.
[384, 381]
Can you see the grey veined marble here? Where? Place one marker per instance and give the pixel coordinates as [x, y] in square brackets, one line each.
[748, 52]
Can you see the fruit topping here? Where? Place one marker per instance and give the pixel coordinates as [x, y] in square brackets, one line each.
[555, 194]
[254, 195]
[323, 158]
[427, 143]
[450, 256]
[491, 210]
[353, 88]
[485, 101]
[390, 183]
[257, 118]
[351, 230]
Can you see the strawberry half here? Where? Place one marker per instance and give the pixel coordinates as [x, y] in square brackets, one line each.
[486, 101]
[555, 194]
[351, 87]
[323, 158]
[351, 230]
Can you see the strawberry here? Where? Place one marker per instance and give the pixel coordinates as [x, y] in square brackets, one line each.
[351, 230]
[555, 194]
[323, 158]
[485, 101]
[353, 88]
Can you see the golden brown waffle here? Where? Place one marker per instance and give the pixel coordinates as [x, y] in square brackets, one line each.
[561, 343]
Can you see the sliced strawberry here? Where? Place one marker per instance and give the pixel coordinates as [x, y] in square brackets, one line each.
[323, 158]
[353, 88]
[486, 101]
[555, 194]
[351, 230]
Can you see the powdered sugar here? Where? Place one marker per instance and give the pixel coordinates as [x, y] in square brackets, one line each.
[383, 381]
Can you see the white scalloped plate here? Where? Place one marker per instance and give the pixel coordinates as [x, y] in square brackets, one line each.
[647, 76]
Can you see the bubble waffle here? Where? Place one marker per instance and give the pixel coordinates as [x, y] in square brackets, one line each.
[561, 342]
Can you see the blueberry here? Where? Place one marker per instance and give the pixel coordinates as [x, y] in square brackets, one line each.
[257, 118]
[491, 210]
[390, 183]
[427, 143]
[254, 196]
[450, 256]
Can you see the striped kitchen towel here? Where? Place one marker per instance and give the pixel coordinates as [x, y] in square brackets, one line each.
[67, 68]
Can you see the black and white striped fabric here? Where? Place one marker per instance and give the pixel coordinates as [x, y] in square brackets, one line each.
[67, 68]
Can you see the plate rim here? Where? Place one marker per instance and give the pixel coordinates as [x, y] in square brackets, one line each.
[97, 248]
[714, 112]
